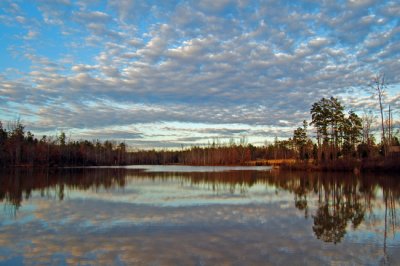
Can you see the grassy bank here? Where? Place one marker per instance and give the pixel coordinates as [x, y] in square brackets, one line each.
[270, 162]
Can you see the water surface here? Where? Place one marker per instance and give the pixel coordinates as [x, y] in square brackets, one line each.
[173, 215]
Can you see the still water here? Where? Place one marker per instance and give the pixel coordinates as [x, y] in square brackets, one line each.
[171, 215]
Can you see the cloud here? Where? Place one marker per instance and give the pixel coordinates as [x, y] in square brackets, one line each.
[31, 35]
[218, 62]
[92, 17]
[149, 218]
[82, 68]
[55, 12]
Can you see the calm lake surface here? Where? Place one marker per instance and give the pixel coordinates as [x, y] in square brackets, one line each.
[174, 215]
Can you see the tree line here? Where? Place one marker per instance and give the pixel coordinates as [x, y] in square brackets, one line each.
[18, 148]
[337, 135]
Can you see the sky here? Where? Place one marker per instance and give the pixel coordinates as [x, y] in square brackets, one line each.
[168, 74]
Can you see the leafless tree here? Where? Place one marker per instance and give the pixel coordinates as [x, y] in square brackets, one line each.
[367, 121]
[379, 85]
[389, 126]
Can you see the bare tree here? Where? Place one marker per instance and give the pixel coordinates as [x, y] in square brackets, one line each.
[389, 125]
[379, 85]
[367, 121]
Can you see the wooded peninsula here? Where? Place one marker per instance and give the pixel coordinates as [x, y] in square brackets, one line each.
[343, 142]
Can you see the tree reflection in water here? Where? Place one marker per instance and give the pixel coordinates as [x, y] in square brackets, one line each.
[342, 199]
[18, 184]
[338, 204]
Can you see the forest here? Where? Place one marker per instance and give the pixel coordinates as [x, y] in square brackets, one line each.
[339, 137]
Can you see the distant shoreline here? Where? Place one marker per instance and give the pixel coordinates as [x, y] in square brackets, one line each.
[391, 164]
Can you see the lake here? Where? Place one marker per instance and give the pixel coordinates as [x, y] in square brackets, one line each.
[183, 215]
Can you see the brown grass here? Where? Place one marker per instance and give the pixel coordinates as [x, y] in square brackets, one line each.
[272, 162]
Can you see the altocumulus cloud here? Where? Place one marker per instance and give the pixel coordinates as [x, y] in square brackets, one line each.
[160, 74]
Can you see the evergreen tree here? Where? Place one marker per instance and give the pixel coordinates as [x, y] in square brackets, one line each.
[300, 139]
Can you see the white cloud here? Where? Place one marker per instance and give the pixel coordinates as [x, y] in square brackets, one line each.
[92, 17]
[197, 63]
[82, 68]
[31, 35]
[20, 19]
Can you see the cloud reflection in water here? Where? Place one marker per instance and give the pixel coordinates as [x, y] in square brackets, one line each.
[123, 216]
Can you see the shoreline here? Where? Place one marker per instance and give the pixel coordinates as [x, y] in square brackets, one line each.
[389, 164]
[357, 166]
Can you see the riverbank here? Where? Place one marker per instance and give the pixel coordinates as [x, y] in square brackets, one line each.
[388, 164]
